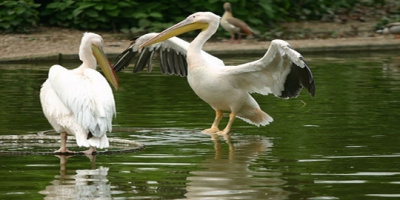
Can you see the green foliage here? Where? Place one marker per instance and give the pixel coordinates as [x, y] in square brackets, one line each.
[143, 16]
[18, 16]
[89, 14]
[140, 16]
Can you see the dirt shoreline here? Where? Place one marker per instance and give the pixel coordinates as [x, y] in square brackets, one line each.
[58, 44]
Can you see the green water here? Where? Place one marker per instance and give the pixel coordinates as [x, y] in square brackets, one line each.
[343, 144]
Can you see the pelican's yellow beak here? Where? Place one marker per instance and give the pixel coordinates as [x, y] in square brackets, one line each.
[184, 26]
[105, 66]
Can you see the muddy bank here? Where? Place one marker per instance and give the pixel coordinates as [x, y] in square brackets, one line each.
[57, 44]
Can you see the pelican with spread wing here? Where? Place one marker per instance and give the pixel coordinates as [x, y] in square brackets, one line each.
[282, 71]
[80, 102]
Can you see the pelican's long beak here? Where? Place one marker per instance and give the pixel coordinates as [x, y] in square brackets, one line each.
[105, 66]
[184, 26]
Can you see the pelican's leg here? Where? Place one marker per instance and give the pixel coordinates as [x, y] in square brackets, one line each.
[90, 151]
[226, 130]
[63, 149]
[214, 127]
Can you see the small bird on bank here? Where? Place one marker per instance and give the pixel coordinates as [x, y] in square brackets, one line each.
[234, 25]
[391, 28]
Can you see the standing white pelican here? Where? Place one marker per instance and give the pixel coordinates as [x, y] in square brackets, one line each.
[282, 71]
[80, 102]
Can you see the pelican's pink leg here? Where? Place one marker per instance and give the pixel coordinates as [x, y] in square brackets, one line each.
[90, 151]
[63, 149]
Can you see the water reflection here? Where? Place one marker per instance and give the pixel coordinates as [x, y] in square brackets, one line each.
[84, 184]
[391, 69]
[229, 173]
[342, 145]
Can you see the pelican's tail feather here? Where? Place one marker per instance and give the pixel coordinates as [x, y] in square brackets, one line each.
[83, 140]
[255, 116]
[99, 142]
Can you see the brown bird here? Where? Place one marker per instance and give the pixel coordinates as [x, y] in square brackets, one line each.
[234, 25]
[392, 28]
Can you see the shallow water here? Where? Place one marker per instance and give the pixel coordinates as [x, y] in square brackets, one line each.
[342, 144]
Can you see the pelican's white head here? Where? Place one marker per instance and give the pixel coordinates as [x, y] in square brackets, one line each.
[206, 21]
[203, 17]
[91, 52]
[85, 49]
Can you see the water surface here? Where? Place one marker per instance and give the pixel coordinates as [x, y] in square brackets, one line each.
[342, 144]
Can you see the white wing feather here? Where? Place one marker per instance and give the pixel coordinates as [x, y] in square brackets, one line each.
[89, 97]
[266, 75]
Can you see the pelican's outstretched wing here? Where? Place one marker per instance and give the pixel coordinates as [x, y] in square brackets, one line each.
[172, 54]
[281, 71]
[88, 98]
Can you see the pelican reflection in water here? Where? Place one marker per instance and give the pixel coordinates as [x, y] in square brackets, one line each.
[229, 175]
[80, 184]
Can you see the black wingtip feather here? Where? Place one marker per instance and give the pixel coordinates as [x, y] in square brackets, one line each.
[171, 61]
[142, 61]
[149, 65]
[296, 80]
[163, 62]
[122, 60]
[309, 83]
[183, 65]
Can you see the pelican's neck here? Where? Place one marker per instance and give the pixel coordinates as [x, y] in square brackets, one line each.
[197, 44]
[86, 55]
